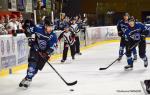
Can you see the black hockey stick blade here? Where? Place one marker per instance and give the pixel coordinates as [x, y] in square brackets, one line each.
[118, 58]
[68, 84]
[144, 88]
[73, 83]
[102, 68]
[109, 65]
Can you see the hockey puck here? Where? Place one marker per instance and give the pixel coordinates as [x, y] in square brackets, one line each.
[71, 89]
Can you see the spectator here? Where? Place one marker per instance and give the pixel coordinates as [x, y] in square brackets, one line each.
[2, 28]
[2, 20]
[12, 25]
[20, 24]
[7, 18]
[20, 19]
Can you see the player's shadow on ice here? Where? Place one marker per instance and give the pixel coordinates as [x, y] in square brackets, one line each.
[139, 71]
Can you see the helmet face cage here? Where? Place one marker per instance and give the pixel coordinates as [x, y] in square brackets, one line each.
[47, 21]
[48, 24]
[132, 19]
[131, 22]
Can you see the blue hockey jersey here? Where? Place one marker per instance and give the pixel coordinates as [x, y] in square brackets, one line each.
[60, 24]
[136, 33]
[122, 26]
[44, 40]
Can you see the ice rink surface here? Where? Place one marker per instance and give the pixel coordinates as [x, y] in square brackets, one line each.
[85, 69]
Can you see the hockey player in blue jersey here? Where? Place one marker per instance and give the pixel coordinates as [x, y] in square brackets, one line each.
[122, 27]
[135, 36]
[41, 47]
[60, 23]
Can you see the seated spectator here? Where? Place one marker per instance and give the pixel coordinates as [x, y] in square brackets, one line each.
[2, 28]
[2, 20]
[14, 26]
[7, 18]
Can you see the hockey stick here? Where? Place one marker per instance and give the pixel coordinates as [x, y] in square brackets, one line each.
[118, 58]
[144, 88]
[67, 83]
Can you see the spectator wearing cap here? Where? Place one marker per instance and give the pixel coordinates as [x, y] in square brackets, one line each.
[2, 27]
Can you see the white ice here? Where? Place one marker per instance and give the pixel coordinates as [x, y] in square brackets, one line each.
[91, 81]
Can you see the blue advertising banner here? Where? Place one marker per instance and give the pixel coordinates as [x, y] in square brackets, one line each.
[44, 3]
[21, 5]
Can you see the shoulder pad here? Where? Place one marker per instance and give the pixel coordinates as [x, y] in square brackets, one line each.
[39, 26]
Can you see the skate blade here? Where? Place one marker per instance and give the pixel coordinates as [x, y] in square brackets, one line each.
[23, 88]
[144, 88]
[128, 69]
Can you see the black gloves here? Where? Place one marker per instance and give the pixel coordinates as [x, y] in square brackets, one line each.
[120, 33]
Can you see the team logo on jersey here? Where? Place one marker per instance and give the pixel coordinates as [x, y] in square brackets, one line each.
[42, 44]
[136, 36]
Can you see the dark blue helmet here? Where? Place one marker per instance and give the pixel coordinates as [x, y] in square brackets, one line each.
[48, 21]
[66, 26]
[131, 19]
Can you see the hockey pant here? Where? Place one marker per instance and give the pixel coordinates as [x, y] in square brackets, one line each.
[122, 47]
[35, 63]
[65, 51]
[77, 44]
[142, 51]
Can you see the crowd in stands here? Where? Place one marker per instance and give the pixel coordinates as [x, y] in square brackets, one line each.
[11, 24]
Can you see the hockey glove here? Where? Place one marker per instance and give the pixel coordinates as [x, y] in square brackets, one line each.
[120, 33]
[49, 51]
[144, 33]
[44, 55]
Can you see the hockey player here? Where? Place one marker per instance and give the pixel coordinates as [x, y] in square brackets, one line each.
[122, 27]
[41, 48]
[135, 35]
[74, 28]
[26, 27]
[61, 23]
[146, 86]
[69, 40]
